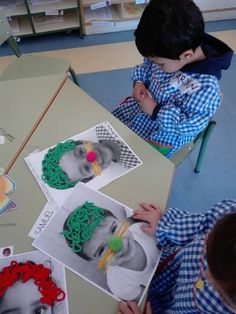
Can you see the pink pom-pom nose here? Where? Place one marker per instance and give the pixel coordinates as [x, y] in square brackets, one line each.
[91, 156]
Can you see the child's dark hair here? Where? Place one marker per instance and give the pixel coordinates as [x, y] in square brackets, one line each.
[167, 28]
[221, 253]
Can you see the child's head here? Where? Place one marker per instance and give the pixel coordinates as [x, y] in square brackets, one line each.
[221, 258]
[168, 28]
[87, 230]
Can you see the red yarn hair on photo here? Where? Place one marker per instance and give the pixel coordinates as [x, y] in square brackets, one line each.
[41, 276]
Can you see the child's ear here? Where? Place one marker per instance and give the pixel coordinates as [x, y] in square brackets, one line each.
[186, 55]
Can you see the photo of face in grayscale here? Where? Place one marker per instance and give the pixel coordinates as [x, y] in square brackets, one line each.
[127, 272]
[72, 161]
[95, 157]
[23, 296]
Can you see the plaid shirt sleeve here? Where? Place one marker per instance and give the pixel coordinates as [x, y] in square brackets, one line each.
[179, 227]
[190, 117]
[142, 72]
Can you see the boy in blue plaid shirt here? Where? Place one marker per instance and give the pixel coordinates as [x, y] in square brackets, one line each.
[197, 271]
[176, 90]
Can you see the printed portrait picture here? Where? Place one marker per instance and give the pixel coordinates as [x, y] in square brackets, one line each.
[6, 251]
[95, 157]
[96, 237]
[32, 283]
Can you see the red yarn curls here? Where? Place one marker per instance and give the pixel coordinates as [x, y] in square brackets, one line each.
[37, 272]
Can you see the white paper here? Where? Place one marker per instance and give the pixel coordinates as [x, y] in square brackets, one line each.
[54, 12]
[99, 5]
[2, 139]
[57, 274]
[115, 170]
[53, 243]
[103, 23]
[42, 221]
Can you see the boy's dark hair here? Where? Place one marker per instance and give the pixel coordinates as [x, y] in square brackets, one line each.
[167, 28]
[221, 252]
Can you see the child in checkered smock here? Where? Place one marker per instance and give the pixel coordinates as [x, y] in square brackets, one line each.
[176, 90]
[197, 272]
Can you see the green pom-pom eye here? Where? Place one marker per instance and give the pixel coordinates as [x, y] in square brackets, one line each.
[114, 243]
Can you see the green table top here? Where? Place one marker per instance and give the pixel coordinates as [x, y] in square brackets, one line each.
[72, 112]
[23, 102]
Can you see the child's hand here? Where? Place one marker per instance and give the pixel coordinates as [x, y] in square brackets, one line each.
[147, 104]
[139, 91]
[151, 214]
[131, 308]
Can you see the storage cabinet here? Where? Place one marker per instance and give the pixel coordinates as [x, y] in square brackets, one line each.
[111, 16]
[116, 15]
[32, 17]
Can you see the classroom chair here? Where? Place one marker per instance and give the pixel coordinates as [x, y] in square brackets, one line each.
[30, 65]
[201, 139]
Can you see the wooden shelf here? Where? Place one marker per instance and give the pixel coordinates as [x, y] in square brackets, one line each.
[118, 16]
[21, 26]
[85, 15]
[98, 27]
[58, 5]
[14, 10]
[106, 14]
[88, 3]
[43, 23]
[29, 17]
[131, 10]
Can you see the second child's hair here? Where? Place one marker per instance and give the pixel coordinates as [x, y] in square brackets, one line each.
[167, 28]
[221, 253]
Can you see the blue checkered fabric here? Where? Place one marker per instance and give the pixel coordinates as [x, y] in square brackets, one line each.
[182, 115]
[173, 290]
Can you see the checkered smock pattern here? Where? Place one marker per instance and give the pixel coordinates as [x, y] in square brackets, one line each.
[173, 290]
[181, 116]
[127, 158]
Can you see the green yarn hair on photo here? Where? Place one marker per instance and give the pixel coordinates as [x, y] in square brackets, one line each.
[52, 172]
[80, 225]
